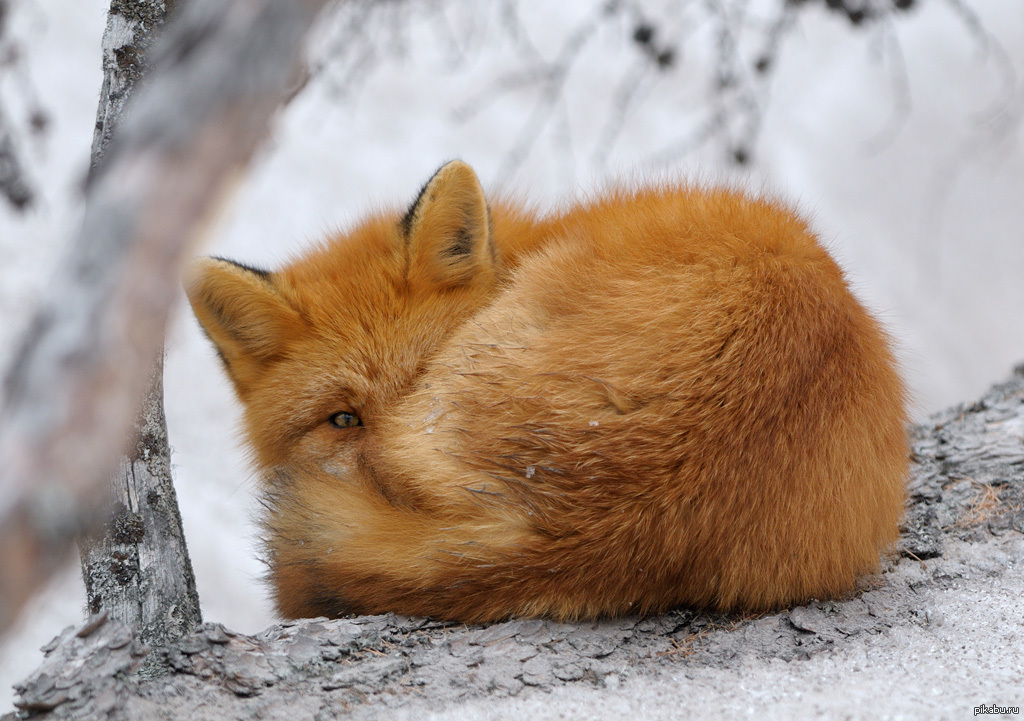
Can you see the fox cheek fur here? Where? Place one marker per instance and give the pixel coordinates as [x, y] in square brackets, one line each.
[662, 396]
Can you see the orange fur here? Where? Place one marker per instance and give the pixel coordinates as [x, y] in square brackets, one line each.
[665, 396]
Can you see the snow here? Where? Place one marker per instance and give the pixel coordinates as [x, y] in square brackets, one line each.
[923, 209]
[931, 671]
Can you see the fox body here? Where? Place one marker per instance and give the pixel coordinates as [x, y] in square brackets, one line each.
[665, 396]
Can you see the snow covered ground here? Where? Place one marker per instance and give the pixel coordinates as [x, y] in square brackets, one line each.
[922, 207]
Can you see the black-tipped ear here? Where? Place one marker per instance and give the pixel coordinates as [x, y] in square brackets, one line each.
[242, 312]
[448, 230]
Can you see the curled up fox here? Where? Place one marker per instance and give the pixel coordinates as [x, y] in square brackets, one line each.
[664, 396]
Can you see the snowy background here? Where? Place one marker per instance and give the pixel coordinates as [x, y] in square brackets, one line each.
[918, 189]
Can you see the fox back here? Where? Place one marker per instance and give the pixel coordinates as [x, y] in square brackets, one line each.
[665, 396]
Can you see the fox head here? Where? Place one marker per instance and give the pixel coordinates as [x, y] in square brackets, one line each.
[319, 348]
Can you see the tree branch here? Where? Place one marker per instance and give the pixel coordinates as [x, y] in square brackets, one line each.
[219, 73]
[14, 184]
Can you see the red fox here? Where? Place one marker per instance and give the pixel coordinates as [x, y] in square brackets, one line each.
[665, 396]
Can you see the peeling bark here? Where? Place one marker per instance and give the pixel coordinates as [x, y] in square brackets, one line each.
[965, 512]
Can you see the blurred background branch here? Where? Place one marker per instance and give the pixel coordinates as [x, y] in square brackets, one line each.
[720, 56]
[74, 387]
[15, 184]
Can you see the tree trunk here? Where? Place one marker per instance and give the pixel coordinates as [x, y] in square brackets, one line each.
[961, 536]
[218, 74]
[139, 571]
[132, 27]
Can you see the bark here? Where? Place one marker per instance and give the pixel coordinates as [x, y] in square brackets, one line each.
[138, 570]
[965, 512]
[219, 73]
[132, 27]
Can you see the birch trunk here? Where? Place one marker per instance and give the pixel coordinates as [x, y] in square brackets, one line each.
[138, 571]
[218, 74]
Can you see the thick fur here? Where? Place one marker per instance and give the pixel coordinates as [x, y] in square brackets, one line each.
[664, 396]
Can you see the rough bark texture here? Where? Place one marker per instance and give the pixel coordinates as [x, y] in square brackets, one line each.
[138, 571]
[132, 27]
[966, 492]
[219, 73]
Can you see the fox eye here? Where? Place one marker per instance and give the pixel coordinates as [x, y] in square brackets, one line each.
[345, 420]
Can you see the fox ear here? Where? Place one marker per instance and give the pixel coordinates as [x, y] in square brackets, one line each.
[447, 230]
[243, 313]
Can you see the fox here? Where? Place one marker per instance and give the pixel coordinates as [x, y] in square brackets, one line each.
[662, 396]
